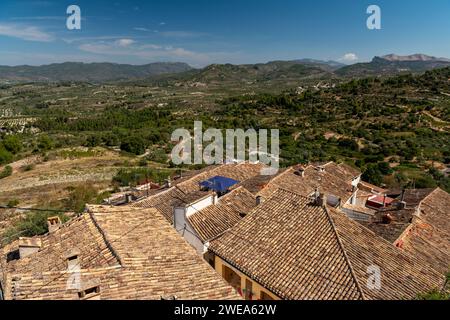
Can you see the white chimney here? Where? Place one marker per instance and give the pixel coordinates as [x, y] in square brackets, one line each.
[28, 246]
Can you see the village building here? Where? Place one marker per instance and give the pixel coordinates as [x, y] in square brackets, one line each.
[109, 253]
[307, 232]
[418, 222]
[294, 247]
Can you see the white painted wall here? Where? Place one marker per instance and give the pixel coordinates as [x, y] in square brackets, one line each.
[197, 206]
[184, 228]
[356, 181]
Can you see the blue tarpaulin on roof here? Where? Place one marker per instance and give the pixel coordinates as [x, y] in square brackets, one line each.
[218, 183]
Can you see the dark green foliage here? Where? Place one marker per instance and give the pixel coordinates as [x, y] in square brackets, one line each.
[12, 143]
[13, 203]
[372, 174]
[45, 143]
[134, 144]
[133, 177]
[32, 224]
[6, 172]
[79, 196]
[5, 155]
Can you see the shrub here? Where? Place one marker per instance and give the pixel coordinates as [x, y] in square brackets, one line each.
[372, 175]
[133, 177]
[5, 155]
[12, 144]
[13, 203]
[6, 172]
[134, 144]
[34, 223]
[79, 196]
[45, 143]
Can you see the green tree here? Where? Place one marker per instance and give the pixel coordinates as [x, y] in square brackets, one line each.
[372, 174]
[133, 144]
[6, 172]
[5, 155]
[12, 143]
[45, 143]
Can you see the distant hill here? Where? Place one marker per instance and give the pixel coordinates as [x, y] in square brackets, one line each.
[413, 57]
[393, 64]
[329, 63]
[288, 73]
[274, 70]
[95, 72]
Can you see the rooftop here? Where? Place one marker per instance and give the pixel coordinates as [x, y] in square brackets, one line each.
[128, 253]
[331, 178]
[299, 250]
[428, 236]
[165, 200]
[214, 220]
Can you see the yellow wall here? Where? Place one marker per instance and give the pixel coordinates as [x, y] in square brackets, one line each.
[256, 287]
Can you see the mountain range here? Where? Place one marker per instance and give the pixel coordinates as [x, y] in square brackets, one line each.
[95, 72]
[296, 69]
[393, 64]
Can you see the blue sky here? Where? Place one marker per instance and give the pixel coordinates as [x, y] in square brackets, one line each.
[202, 32]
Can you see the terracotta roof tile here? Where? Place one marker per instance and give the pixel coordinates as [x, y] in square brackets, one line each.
[302, 251]
[130, 253]
[215, 219]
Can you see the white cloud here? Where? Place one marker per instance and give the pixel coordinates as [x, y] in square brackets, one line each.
[349, 57]
[183, 34]
[142, 29]
[150, 52]
[125, 42]
[29, 33]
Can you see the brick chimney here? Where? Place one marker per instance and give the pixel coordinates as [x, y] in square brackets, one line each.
[321, 200]
[53, 223]
[259, 200]
[299, 171]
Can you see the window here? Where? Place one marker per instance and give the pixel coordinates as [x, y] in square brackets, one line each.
[248, 290]
[232, 278]
[89, 293]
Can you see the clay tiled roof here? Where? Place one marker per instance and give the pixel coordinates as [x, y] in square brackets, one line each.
[428, 236]
[390, 231]
[368, 187]
[422, 229]
[167, 199]
[257, 183]
[290, 247]
[299, 250]
[413, 197]
[214, 220]
[129, 253]
[334, 179]
[80, 233]
[403, 276]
